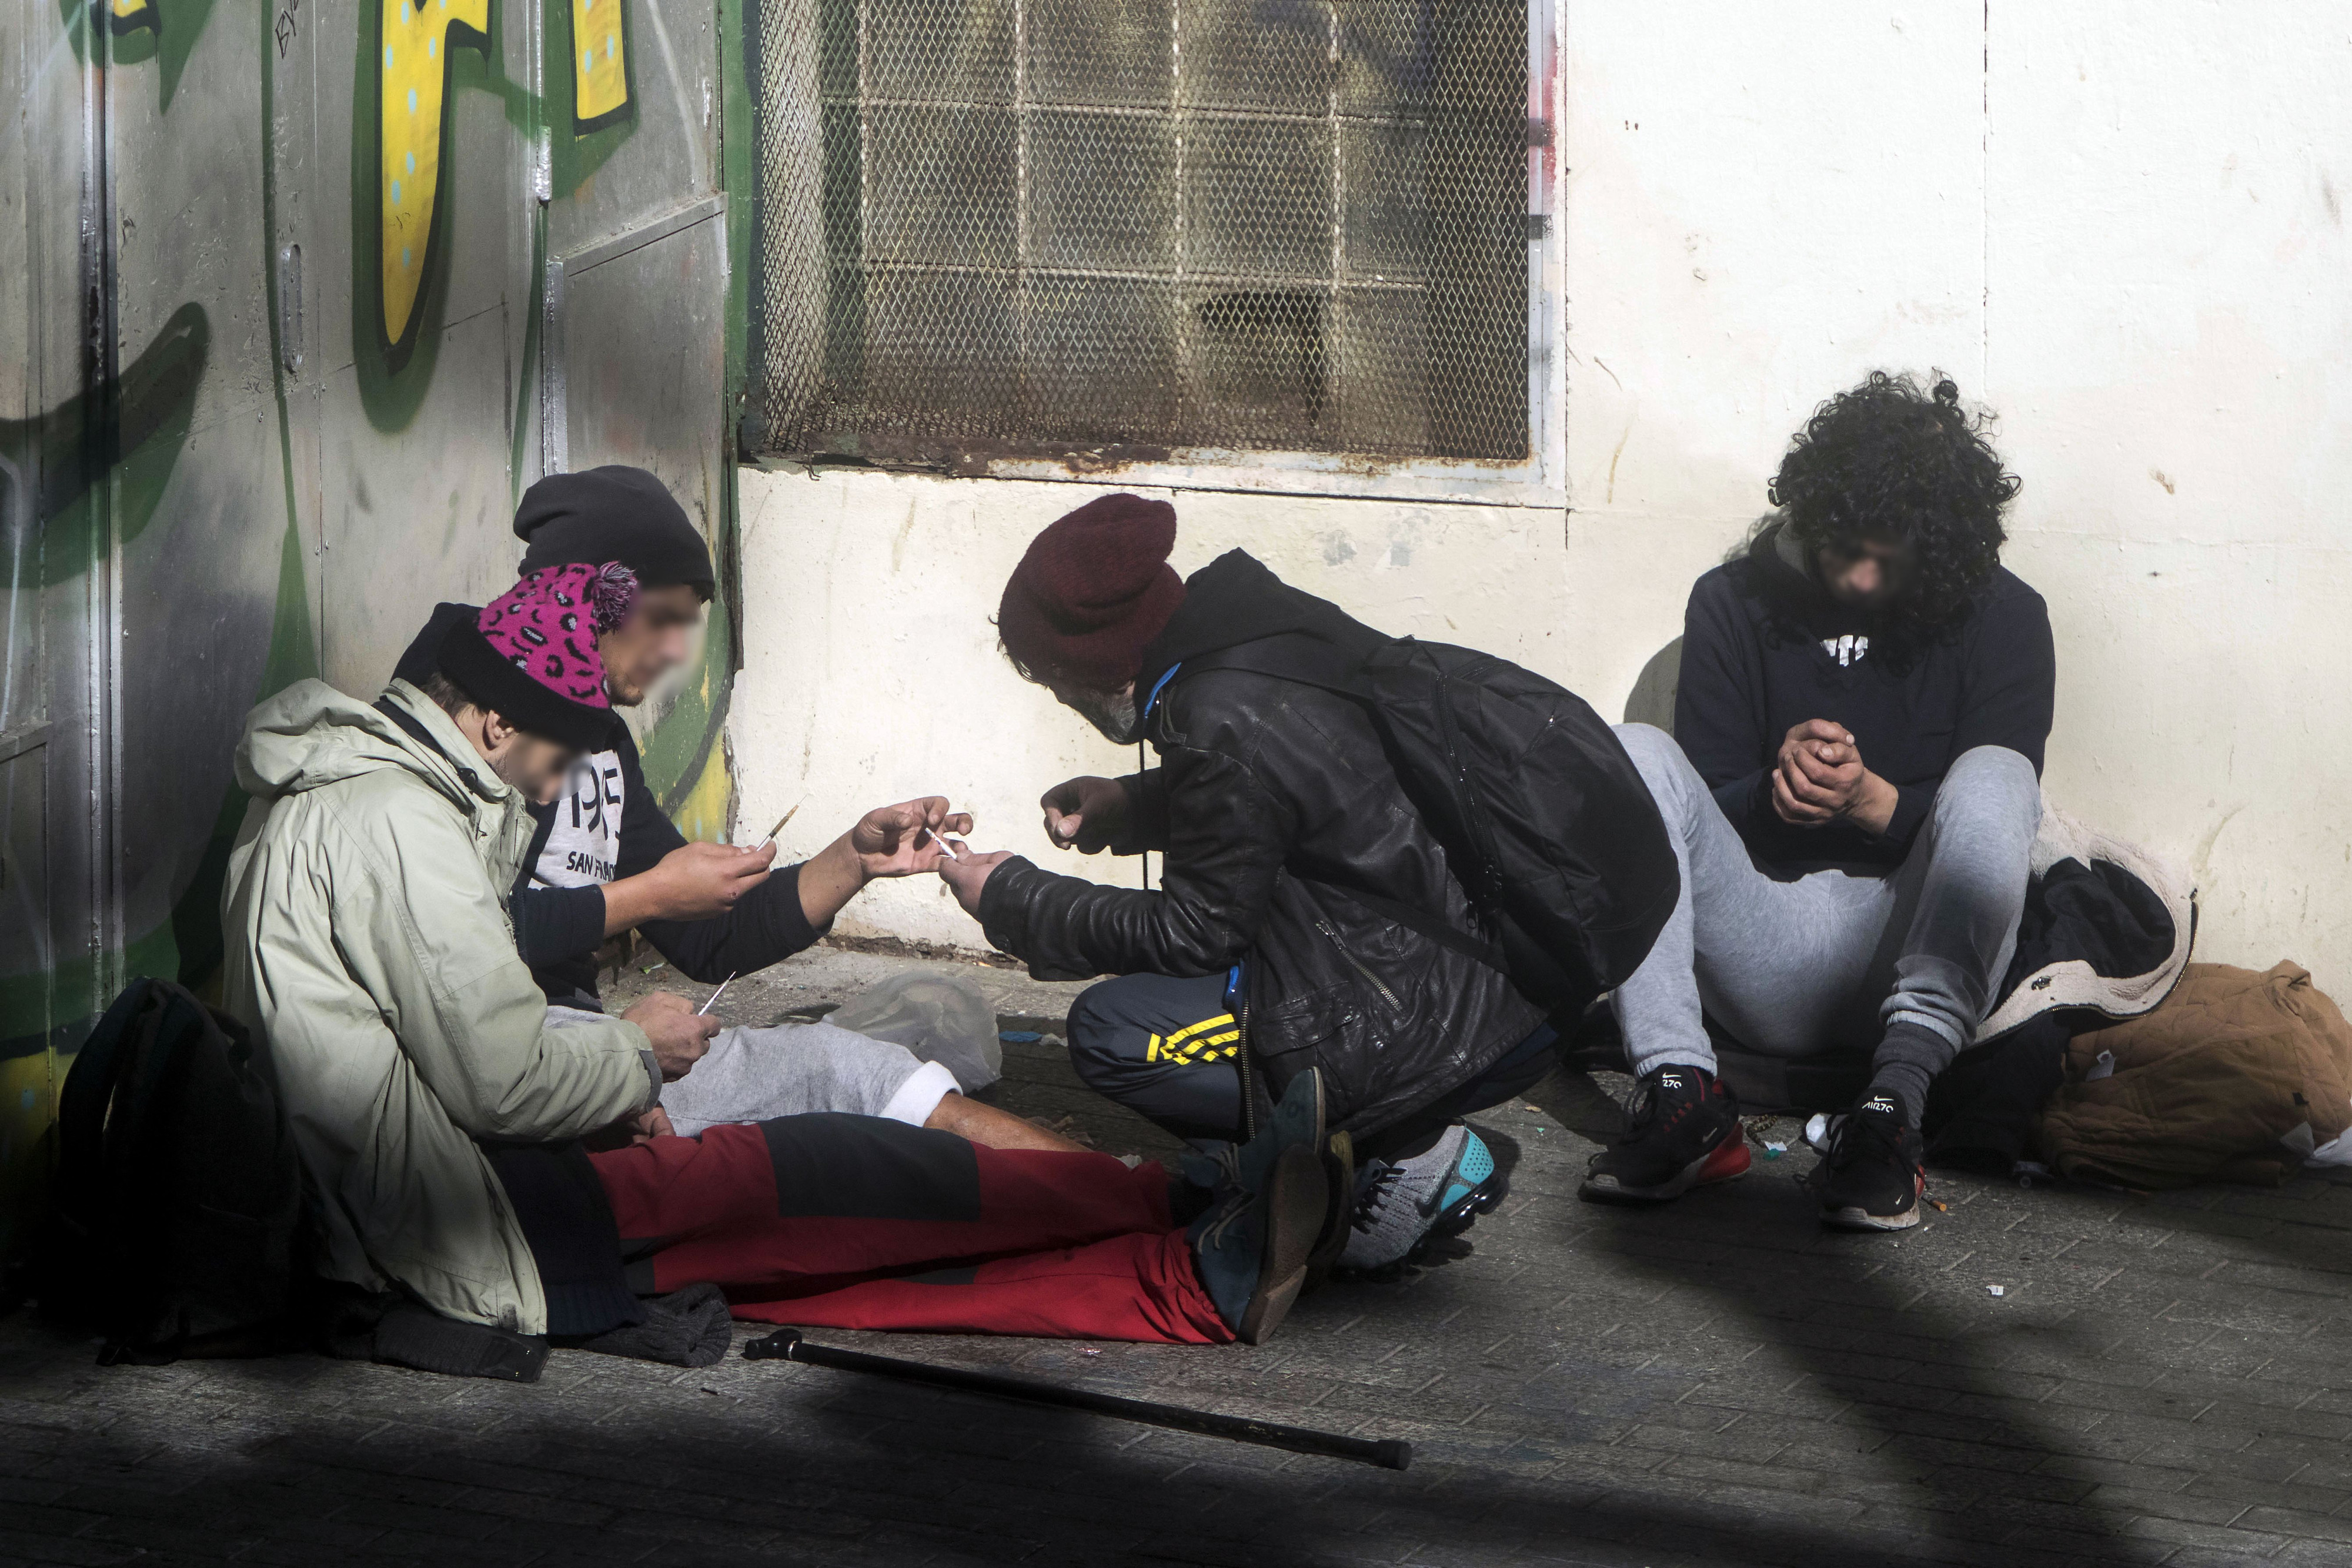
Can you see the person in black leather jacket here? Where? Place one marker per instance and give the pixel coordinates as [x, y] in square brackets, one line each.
[1252, 961]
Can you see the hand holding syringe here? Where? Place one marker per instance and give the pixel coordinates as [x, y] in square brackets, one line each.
[710, 1000]
[879, 845]
[779, 828]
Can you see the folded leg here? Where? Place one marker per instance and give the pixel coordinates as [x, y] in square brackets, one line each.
[1787, 967]
[1164, 1048]
[1953, 926]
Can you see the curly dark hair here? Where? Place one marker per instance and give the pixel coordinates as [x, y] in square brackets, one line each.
[1889, 460]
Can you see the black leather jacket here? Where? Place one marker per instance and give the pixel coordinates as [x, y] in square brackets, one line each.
[1271, 799]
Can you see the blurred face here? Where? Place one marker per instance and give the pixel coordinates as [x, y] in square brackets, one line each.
[1113, 713]
[532, 766]
[1868, 576]
[652, 642]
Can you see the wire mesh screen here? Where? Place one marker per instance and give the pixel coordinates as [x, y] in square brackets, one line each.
[1040, 226]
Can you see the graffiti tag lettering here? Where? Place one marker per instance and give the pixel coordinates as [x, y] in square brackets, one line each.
[600, 63]
[416, 37]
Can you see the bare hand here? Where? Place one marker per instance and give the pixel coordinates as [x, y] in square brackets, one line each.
[1816, 773]
[901, 840]
[699, 880]
[629, 1131]
[967, 876]
[1085, 813]
[1819, 778]
[678, 1035]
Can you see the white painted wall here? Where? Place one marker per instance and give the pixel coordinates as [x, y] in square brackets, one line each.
[2120, 227]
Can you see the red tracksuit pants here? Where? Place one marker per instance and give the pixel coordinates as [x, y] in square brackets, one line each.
[859, 1222]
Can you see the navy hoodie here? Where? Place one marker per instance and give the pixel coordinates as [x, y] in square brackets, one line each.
[1765, 647]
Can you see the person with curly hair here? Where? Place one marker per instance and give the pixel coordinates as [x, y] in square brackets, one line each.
[1854, 786]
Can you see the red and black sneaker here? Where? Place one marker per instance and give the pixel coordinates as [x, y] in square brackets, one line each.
[1875, 1172]
[1685, 1134]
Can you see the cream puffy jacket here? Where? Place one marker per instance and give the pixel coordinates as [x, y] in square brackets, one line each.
[369, 948]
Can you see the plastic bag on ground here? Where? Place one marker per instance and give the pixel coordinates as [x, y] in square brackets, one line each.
[940, 1018]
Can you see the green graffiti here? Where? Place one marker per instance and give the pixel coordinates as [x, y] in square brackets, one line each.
[394, 371]
[98, 466]
[601, 91]
[394, 342]
[130, 432]
[169, 44]
[194, 925]
[527, 379]
[137, 32]
[681, 744]
[588, 138]
[416, 38]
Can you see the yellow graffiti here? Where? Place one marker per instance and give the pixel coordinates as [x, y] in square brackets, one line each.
[704, 814]
[600, 60]
[123, 16]
[416, 38]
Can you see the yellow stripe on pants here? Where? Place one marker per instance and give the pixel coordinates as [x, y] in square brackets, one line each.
[1173, 1048]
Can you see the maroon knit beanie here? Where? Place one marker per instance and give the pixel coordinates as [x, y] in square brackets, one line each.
[1093, 590]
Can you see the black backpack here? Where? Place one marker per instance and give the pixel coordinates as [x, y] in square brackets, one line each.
[179, 1192]
[1543, 817]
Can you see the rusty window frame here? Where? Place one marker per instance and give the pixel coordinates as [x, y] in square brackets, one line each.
[788, 185]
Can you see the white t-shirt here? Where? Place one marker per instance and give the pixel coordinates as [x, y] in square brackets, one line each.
[584, 843]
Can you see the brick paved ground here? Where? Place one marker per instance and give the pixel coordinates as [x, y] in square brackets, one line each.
[2164, 1380]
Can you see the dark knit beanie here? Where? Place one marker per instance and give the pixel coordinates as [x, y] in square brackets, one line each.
[1093, 589]
[612, 514]
[530, 655]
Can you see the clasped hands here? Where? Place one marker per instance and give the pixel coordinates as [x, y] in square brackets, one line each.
[1819, 778]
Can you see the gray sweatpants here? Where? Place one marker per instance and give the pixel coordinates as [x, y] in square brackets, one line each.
[756, 1074]
[1832, 960]
[753, 1075]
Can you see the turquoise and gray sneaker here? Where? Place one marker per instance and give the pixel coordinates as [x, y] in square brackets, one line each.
[1401, 1205]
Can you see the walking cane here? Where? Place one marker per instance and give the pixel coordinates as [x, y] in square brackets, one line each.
[786, 1345]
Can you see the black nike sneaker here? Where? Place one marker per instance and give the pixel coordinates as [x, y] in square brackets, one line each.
[1685, 1134]
[1875, 1172]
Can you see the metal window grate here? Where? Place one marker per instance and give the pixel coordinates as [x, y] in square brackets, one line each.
[1032, 227]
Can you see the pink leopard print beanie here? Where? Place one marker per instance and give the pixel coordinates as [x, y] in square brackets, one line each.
[530, 655]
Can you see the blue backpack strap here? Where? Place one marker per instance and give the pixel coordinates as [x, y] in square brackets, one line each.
[1157, 687]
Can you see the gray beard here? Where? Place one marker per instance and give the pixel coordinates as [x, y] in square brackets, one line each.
[1113, 713]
